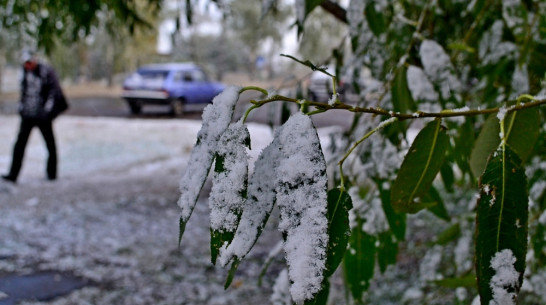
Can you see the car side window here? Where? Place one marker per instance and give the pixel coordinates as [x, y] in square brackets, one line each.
[198, 75]
[178, 77]
[188, 77]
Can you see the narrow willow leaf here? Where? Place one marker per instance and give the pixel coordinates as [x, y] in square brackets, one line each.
[359, 261]
[397, 221]
[522, 130]
[375, 19]
[229, 186]
[231, 273]
[448, 235]
[487, 141]
[387, 250]
[439, 209]
[216, 118]
[339, 204]
[501, 221]
[419, 168]
[401, 96]
[302, 202]
[259, 204]
[468, 281]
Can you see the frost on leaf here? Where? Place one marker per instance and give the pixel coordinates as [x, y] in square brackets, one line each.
[302, 200]
[506, 279]
[216, 118]
[260, 201]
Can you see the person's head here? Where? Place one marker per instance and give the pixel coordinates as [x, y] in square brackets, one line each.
[29, 60]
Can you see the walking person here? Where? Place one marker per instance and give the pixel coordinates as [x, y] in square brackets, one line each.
[42, 100]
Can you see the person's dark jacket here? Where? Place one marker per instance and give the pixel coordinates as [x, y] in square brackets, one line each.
[50, 92]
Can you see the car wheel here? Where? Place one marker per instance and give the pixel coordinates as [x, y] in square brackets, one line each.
[177, 107]
[134, 106]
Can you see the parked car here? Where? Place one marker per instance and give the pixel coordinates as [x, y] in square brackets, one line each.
[181, 86]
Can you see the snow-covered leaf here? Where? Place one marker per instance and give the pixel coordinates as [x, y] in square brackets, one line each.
[421, 165]
[229, 186]
[302, 200]
[260, 201]
[501, 224]
[216, 118]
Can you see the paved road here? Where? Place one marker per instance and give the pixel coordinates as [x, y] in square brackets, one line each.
[116, 107]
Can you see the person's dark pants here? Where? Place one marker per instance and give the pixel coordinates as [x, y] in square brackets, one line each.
[46, 128]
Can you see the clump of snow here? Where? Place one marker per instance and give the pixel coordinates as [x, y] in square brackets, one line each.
[492, 48]
[420, 86]
[506, 277]
[502, 113]
[520, 81]
[216, 118]
[370, 210]
[438, 67]
[229, 184]
[302, 200]
[428, 270]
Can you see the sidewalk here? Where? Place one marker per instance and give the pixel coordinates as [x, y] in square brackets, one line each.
[112, 217]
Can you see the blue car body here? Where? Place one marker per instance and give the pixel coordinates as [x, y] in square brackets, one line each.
[181, 86]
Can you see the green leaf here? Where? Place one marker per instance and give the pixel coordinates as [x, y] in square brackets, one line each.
[448, 235]
[419, 168]
[359, 261]
[439, 208]
[339, 204]
[181, 229]
[375, 19]
[488, 140]
[231, 273]
[468, 281]
[217, 240]
[502, 216]
[402, 99]
[522, 130]
[397, 221]
[387, 251]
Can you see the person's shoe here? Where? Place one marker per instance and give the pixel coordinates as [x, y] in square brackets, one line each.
[8, 178]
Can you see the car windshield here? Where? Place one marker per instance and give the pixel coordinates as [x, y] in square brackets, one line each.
[153, 74]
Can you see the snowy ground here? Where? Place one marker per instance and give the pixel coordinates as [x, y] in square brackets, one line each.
[112, 215]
